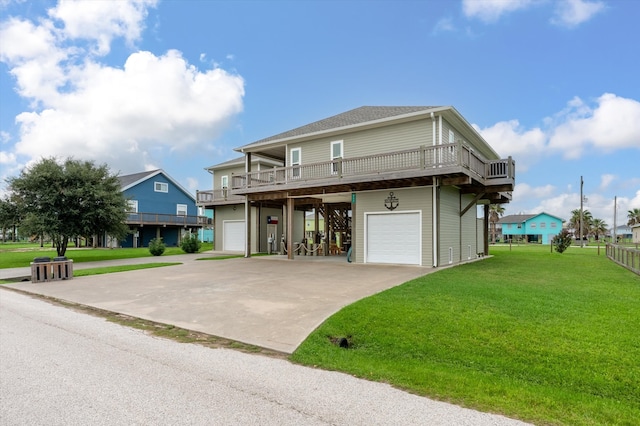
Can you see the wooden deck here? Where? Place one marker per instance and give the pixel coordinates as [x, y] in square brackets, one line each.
[161, 219]
[455, 164]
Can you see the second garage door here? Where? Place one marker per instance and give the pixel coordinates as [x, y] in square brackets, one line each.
[393, 238]
[233, 238]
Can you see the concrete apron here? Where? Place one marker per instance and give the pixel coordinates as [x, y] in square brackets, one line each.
[268, 302]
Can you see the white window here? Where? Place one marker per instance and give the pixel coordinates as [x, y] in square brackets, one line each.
[224, 184]
[181, 209]
[296, 160]
[533, 226]
[553, 224]
[543, 225]
[336, 153]
[452, 136]
[160, 187]
[132, 206]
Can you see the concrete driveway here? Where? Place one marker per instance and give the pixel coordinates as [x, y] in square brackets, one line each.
[270, 302]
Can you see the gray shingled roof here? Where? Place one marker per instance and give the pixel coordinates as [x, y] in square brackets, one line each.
[516, 218]
[127, 180]
[355, 116]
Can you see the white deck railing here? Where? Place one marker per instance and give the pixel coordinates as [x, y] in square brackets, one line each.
[448, 155]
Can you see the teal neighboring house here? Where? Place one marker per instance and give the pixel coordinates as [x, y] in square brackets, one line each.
[536, 228]
[205, 234]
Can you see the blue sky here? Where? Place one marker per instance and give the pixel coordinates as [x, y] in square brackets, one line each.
[178, 84]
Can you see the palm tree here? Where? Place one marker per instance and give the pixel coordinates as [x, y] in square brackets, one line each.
[496, 211]
[574, 222]
[634, 217]
[599, 227]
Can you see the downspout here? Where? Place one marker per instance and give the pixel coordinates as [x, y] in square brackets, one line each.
[434, 212]
[247, 207]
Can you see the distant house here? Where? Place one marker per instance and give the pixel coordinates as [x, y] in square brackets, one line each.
[535, 228]
[636, 233]
[159, 207]
[622, 232]
[206, 234]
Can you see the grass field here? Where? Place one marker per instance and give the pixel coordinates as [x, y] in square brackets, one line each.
[544, 337]
[21, 255]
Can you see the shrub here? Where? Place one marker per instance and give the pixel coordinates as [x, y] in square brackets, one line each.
[190, 243]
[562, 241]
[156, 247]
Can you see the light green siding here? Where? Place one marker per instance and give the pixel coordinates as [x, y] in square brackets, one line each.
[449, 225]
[217, 175]
[396, 137]
[411, 199]
[480, 235]
[468, 248]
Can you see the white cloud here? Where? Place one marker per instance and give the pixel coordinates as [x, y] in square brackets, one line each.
[124, 116]
[102, 21]
[605, 181]
[524, 190]
[567, 13]
[613, 124]
[508, 138]
[491, 10]
[571, 13]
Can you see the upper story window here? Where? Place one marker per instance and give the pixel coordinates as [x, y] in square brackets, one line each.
[553, 224]
[336, 153]
[533, 226]
[452, 136]
[224, 182]
[161, 187]
[132, 206]
[543, 225]
[295, 161]
[181, 209]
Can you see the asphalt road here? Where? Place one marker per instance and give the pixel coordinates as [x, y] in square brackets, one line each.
[61, 367]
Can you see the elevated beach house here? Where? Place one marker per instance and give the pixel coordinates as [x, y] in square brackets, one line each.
[396, 185]
[533, 228]
[159, 207]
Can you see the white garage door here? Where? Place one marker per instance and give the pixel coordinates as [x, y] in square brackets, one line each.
[233, 235]
[393, 238]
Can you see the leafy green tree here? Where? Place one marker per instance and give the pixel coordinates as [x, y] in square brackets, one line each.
[562, 241]
[9, 218]
[190, 244]
[69, 199]
[634, 217]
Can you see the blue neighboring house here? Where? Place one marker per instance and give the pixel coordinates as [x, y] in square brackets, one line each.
[159, 207]
[541, 227]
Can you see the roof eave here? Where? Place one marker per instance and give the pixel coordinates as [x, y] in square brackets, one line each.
[346, 129]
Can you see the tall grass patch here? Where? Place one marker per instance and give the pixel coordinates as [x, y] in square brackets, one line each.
[545, 337]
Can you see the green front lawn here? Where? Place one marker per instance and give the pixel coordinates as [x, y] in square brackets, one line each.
[21, 255]
[545, 337]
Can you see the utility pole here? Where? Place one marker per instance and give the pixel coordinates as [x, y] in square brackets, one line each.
[581, 213]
